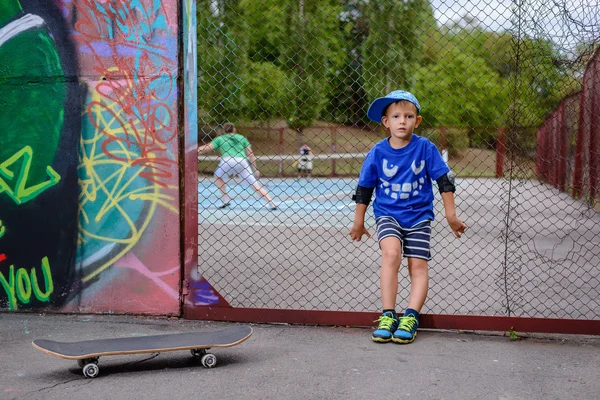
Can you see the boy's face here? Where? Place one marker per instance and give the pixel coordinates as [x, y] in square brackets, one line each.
[401, 119]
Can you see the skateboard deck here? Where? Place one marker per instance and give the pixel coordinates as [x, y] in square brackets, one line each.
[87, 352]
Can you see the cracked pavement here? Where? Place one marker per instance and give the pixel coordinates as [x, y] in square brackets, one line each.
[297, 362]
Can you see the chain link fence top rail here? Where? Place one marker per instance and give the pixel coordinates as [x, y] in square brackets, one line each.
[296, 79]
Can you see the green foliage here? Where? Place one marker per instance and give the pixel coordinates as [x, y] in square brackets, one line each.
[461, 90]
[394, 47]
[304, 102]
[220, 61]
[455, 140]
[296, 47]
[540, 81]
[312, 54]
[265, 29]
[513, 335]
[347, 99]
[309, 60]
[264, 91]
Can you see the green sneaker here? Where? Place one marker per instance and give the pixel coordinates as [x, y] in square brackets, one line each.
[407, 330]
[387, 324]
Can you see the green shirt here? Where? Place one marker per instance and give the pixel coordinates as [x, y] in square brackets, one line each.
[231, 145]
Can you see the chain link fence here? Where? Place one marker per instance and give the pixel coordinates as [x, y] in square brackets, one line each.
[296, 78]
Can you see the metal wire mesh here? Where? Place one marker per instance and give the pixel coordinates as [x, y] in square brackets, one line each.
[499, 84]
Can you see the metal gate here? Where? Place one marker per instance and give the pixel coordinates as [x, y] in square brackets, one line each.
[499, 84]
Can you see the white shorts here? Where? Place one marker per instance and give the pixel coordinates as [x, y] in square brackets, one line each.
[231, 166]
[305, 164]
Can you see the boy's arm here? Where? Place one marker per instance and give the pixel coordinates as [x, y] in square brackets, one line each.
[447, 189]
[205, 148]
[358, 228]
[363, 198]
[455, 223]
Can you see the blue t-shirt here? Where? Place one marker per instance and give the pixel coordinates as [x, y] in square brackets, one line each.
[402, 178]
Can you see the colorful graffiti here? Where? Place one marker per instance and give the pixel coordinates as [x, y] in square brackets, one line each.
[20, 284]
[40, 123]
[91, 161]
[19, 191]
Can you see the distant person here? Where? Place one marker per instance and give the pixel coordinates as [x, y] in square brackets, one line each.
[235, 153]
[305, 164]
[400, 169]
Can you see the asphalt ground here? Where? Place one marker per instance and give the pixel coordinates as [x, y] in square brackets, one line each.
[297, 362]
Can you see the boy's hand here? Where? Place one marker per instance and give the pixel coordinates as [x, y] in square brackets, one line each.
[456, 225]
[357, 231]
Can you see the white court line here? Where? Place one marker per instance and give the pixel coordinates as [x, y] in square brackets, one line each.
[277, 225]
[309, 198]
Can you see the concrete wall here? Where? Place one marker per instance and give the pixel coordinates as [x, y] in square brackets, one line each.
[93, 125]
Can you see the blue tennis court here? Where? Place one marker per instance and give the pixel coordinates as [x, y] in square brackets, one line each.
[323, 202]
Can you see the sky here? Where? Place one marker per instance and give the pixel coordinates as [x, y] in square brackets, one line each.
[565, 22]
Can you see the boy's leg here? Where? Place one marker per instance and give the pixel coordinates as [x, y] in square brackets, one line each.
[223, 169]
[419, 284]
[223, 188]
[246, 174]
[264, 194]
[418, 271]
[391, 256]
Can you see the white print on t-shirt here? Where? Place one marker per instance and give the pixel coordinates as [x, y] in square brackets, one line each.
[389, 171]
[416, 170]
[406, 189]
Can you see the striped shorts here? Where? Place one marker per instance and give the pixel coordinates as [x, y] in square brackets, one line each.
[414, 240]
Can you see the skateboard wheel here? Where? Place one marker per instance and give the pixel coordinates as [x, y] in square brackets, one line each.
[198, 353]
[208, 360]
[91, 370]
[82, 362]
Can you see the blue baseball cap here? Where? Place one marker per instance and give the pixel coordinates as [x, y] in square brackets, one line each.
[376, 108]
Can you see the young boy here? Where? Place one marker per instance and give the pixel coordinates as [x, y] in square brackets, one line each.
[305, 164]
[235, 152]
[400, 169]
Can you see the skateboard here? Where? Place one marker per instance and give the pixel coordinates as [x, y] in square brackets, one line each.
[87, 353]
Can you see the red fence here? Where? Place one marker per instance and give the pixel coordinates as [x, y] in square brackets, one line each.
[568, 141]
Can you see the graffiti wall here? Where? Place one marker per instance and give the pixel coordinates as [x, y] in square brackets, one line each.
[89, 161]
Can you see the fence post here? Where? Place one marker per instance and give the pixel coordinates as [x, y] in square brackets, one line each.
[554, 158]
[539, 161]
[500, 152]
[578, 173]
[281, 151]
[594, 141]
[333, 149]
[562, 148]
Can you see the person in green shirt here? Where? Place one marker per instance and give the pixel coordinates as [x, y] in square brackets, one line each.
[235, 152]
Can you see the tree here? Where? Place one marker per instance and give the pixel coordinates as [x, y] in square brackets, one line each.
[394, 47]
[347, 101]
[221, 59]
[461, 90]
[263, 91]
[301, 38]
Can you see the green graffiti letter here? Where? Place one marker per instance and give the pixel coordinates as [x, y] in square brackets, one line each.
[2, 229]
[47, 279]
[23, 286]
[9, 287]
[15, 185]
